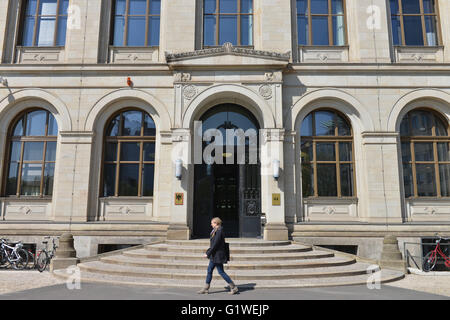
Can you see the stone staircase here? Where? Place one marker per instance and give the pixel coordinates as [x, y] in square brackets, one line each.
[254, 263]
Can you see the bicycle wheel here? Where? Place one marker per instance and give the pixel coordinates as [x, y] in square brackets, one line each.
[22, 260]
[429, 261]
[41, 261]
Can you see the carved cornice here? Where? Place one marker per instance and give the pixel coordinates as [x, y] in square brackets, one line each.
[228, 48]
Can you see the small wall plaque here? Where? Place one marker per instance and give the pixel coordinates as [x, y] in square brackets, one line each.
[276, 199]
[179, 199]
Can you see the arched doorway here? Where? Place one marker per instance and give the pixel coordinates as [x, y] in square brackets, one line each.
[228, 184]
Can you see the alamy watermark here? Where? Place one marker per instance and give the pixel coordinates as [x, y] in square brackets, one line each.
[231, 145]
[374, 278]
[73, 282]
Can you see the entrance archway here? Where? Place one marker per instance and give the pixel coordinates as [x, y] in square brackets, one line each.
[228, 184]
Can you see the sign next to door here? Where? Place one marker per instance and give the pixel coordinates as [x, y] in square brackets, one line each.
[276, 199]
[179, 199]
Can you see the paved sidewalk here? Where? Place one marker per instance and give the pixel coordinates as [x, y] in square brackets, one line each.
[12, 281]
[34, 285]
[109, 292]
[435, 284]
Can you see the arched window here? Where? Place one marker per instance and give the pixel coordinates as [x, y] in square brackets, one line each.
[31, 155]
[328, 168]
[425, 154]
[129, 155]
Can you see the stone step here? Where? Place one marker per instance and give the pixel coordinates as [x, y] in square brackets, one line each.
[145, 272]
[233, 250]
[189, 256]
[235, 265]
[233, 243]
[384, 276]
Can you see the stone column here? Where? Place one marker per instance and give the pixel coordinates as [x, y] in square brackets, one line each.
[177, 26]
[272, 29]
[368, 31]
[178, 227]
[271, 150]
[444, 12]
[72, 172]
[382, 193]
[84, 17]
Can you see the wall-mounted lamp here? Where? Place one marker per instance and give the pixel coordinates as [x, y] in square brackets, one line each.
[276, 169]
[4, 81]
[178, 169]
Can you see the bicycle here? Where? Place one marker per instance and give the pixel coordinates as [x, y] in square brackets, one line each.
[44, 256]
[432, 256]
[15, 256]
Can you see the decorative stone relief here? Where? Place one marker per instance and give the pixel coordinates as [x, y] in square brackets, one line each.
[430, 210]
[125, 210]
[230, 49]
[273, 135]
[419, 54]
[26, 210]
[323, 54]
[182, 77]
[322, 57]
[180, 136]
[273, 76]
[329, 210]
[189, 92]
[266, 91]
[132, 55]
[39, 54]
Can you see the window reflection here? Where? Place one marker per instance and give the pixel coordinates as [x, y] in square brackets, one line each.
[425, 154]
[414, 22]
[136, 23]
[46, 25]
[228, 22]
[321, 24]
[327, 155]
[32, 155]
[129, 154]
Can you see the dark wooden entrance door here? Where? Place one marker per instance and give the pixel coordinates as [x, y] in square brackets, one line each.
[231, 192]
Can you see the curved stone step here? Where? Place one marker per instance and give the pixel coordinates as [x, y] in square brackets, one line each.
[385, 276]
[232, 242]
[233, 250]
[188, 256]
[235, 265]
[133, 271]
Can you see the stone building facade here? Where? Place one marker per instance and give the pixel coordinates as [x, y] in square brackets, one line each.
[280, 64]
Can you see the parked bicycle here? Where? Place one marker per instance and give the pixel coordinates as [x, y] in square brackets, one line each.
[45, 256]
[15, 256]
[432, 257]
